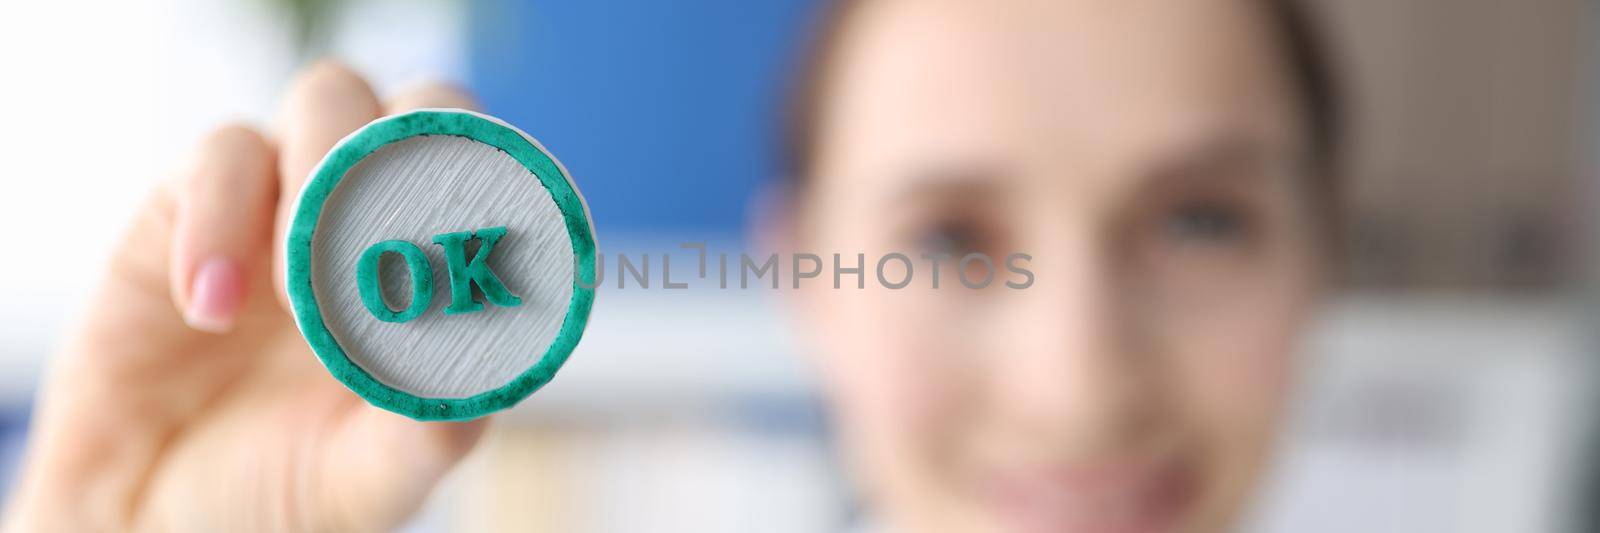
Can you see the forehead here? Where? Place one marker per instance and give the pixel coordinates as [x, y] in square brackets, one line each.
[1082, 82]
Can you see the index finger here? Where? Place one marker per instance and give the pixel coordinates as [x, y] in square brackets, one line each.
[431, 95]
[326, 102]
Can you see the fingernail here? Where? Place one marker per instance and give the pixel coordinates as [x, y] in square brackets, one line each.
[215, 296]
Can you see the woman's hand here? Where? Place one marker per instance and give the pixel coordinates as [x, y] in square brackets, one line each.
[187, 399]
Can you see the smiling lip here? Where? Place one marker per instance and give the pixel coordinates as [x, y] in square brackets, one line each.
[1127, 497]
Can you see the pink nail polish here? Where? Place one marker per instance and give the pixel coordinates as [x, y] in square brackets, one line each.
[215, 296]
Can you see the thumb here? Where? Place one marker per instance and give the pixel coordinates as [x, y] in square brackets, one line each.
[380, 467]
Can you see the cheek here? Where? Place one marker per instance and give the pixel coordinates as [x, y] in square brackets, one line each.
[1234, 349]
[1236, 360]
[1237, 380]
[896, 397]
[887, 377]
[1234, 367]
[883, 368]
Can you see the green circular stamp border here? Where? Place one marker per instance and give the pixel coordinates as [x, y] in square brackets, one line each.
[325, 178]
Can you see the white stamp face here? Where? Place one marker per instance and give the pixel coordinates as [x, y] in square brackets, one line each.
[435, 260]
[412, 190]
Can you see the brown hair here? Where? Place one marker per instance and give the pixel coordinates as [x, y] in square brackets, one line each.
[1304, 55]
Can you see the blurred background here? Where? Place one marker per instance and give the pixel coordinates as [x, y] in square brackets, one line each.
[1451, 385]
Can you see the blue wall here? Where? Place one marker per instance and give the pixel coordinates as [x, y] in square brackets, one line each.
[665, 111]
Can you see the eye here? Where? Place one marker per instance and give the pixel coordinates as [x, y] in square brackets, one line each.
[953, 236]
[1207, 222]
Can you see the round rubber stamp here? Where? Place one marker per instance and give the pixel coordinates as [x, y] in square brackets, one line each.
[441, 264]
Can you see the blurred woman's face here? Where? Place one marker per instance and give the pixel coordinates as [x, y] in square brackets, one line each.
[1149, 157]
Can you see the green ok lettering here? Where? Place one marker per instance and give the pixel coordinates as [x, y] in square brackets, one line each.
[464, 273]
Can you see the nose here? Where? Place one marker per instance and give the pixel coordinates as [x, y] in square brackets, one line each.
[1072, 371]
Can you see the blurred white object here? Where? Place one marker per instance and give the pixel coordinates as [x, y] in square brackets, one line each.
[1437, 414]
[104, 100]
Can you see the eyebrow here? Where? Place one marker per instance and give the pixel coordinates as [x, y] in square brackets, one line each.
[951, 181]
[1216, 156]
[1219, 154]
